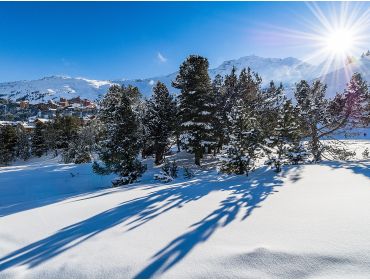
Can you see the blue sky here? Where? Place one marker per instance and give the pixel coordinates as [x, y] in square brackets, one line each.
[110, 40]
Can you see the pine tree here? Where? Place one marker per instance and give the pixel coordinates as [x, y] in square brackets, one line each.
[38, 146]
[81, 147]
[285, 136]
[120, 144]
[219, 120]
[271, 101]
[357, 101]
[23, 143]
[196, 105]
[229, 95]
[160, 120]
[243, 148]
[8, 144]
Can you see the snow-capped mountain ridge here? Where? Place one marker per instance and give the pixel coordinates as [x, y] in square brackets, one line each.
[287, 70]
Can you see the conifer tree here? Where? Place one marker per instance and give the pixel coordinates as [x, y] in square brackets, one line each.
[357, 98]
[285, 136]
[196, 105]
[8, 144]
[160, 120]
[38, 146]
[23, 143]
[243, 148]
[120, 144]
[219, 120]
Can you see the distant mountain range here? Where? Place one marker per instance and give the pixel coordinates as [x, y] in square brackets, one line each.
[287, 70]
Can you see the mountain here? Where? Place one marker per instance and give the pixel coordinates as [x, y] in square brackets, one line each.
[337, 80]
[286, 70]
[54, 87]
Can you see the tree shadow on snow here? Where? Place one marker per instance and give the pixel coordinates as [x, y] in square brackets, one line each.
[242, 199]
[357, 167]
[246, 194]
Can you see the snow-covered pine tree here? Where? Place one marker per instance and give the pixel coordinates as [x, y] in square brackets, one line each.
[177, 124]
[196, 105]
[38, 145]
[271, 101]
[357, 101]
[23, 143]
[8, 144]
[243, 147]
[219, 121]
[244, 128]
[285, 138]
[161, 113]
[81, 148]
[120, 144]
[321, 117]
[313, 109]
[229, 97]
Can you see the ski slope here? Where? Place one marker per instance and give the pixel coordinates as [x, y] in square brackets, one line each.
[310, 221]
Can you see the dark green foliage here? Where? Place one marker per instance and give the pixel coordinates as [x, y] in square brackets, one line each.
[196, 106]
[23, 143]
[243, 124]
[39, 145]
[120, 144]
[62, 131]
[160, 121]
[8, 144]
[285, 137]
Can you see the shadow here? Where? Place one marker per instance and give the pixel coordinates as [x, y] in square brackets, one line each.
[246, 194]
[243, 199]
[23, 188]
[357, 167]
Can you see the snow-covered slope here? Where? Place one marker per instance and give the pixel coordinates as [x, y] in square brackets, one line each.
[54, 87]
[287, 70]
[338, 79]
[310, 221]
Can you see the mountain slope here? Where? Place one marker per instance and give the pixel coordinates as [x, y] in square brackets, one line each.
[337, 80]
[54, 87]
[287, 70]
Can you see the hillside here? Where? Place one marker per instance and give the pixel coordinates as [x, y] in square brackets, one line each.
[310, 221]
[287, 70]
[338, 79]
[54, 87]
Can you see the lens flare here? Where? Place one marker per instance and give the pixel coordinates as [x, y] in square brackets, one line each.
[331, 37]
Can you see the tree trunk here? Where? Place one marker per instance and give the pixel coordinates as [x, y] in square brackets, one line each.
[198, 155]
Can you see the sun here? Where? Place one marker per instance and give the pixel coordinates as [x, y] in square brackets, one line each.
[331, 36]
[340, 42]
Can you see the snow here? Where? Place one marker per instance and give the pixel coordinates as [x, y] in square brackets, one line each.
[53, 88]
[58, 221]
[337, 80]
[287, 70]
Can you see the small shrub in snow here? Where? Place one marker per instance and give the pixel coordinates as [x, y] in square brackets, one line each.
[168, 173]
[161, 176]
[365, 153]
[340, 153]
[188, 173]
[174, 169]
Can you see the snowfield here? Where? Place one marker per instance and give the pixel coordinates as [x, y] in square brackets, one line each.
[310, 221]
